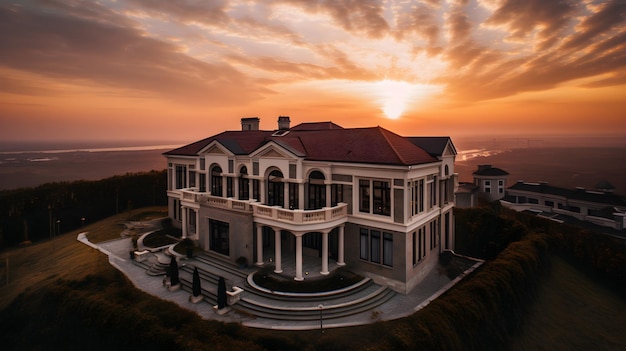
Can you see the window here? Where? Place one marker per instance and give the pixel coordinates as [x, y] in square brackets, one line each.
[216, 181]
[202, 182]
[364, 195]
[434, 233]
[293, 195]
[364, 240]
[336, 194]
[382, 198]
[501, 186]
[317, 191]
[419, 245]
[275, 189]
[181, 177]
[376, 247]
[533, 200]
[218, 232]
[244, 184]
[229, 187]
[255, 189]
[549, 203]
[432, 191]
[192, 179]
[388, 249]
[420, 200]
[202, 163]
[379, 193]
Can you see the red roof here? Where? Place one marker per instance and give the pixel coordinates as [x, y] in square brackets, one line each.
[327, 142]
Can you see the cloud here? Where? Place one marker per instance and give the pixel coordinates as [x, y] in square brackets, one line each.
[73, 48]
[599, 23]
[417, 20]
[522, 18]
[354, 16]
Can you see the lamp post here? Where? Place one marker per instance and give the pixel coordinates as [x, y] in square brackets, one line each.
[321, 318]
[58, 227]
[82, 221]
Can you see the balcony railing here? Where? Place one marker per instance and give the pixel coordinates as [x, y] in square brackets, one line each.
[276, 213]
[228, 203]
[280, 214]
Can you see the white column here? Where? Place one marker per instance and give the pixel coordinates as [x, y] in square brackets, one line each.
[224, 189]
[340, 259]
[299, 257]
[236, 188]
[277, 251]
[324, 253]
[301, 187]
[286, 195]
[259, 245]
[184, 222]
[327, 186]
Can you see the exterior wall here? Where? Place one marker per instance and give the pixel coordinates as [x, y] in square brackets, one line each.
[494, 187]
[393, 277]
[241, 232]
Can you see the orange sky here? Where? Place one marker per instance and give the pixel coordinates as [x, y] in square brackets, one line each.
[159, 70]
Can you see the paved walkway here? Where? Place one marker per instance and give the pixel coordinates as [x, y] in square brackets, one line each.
[432, 286]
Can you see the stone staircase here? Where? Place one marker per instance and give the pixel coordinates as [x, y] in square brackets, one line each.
[259, 302]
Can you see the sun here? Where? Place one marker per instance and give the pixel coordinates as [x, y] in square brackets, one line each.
[395, 96]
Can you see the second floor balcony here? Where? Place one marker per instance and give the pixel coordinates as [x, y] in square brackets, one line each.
[266, 213]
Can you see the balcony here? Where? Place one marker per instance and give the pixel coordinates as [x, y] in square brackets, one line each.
[264, 213]
[337, 213]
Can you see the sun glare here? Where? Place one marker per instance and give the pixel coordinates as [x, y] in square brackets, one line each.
[395, 96]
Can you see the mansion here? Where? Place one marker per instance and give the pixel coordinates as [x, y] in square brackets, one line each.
[367, 198]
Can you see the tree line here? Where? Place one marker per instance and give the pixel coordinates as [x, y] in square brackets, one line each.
[48, 210]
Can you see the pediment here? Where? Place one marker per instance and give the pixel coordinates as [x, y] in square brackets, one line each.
[215, 148]
[271, 153]
[449, 150]
[272, 150]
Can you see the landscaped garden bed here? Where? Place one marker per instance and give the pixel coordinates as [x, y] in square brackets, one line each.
[338, 279]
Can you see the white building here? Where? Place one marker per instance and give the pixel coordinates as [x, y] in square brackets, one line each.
[601, 207]
[363, 197]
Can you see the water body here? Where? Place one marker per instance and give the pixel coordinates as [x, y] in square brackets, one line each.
[30, 165]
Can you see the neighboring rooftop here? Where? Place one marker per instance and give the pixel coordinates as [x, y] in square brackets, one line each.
[575, 194]
[488, 171]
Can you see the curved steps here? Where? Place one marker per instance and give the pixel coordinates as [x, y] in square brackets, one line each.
[361, 297]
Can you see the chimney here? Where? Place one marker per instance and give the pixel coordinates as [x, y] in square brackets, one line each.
[283, 122]
[250, 123]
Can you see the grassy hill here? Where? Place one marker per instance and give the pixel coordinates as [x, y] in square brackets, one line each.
[62, 294]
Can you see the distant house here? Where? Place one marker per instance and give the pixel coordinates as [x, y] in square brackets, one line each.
[367, 198]
[491, 182]
[601, 206]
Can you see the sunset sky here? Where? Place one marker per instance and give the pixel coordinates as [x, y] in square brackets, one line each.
[184, 70]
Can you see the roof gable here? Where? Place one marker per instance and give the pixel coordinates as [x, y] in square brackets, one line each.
[435, 146]
[272, 150]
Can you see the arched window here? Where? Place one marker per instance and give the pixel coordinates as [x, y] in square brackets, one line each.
[244, 184]
[446, 171]
[317, 190]
[216, 181]
[275, 189]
